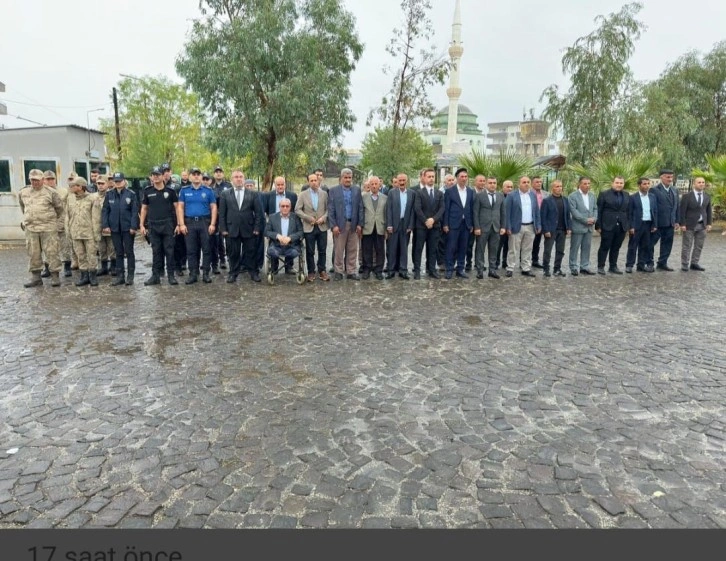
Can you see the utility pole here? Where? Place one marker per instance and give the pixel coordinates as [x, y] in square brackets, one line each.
[118, 130]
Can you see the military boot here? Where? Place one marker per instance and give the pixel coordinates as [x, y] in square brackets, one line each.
[104, 268]
[55, 279]
[153, 279]
[130, 278]
[84, 280]
[92, 278]
[171, 278]
[205, 277]
[119, 280]
[46, 271]
[36, 280]
[67, 269]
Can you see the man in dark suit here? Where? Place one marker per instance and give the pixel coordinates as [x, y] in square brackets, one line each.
[241, 221]
[399, 223]
[488, 226]
[556, 226]
[667, 200]
[429, 210]
[612, 223]
[284, 232]
[643, 214]
[449, 181]
[695, 218]
[458, 223]
[507, 187]
[345, 217]
[271, 205]
[522, 221]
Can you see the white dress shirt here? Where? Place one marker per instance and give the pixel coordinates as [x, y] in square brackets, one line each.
[526, 201]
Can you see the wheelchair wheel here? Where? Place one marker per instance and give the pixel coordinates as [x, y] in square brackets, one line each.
[270, 279]
[301, 277]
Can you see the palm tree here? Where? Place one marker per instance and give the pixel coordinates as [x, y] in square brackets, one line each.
[630, 167]
[505, 166]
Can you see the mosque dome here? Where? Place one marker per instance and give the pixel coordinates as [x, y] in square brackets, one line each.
[466, 122]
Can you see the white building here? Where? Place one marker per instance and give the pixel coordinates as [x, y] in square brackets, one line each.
[61, 149]
[531, 138]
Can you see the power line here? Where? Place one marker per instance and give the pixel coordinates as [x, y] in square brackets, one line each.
[57, 106]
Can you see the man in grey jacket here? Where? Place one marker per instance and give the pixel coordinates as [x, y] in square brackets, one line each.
[583, 209]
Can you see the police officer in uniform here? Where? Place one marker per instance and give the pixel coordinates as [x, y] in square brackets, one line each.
[158, 207]
[120, 218]
[197, 216]
[216, 244]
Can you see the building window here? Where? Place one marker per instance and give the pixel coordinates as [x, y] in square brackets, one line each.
[42, 165]
[4, 176]
[81, 169]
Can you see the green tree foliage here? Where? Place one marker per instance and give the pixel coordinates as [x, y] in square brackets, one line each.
[590, 113]
[274, 77]
[715, 174]
[505, 166]
[410, 155]
[631, 167]
[159, 121]
[418, 68]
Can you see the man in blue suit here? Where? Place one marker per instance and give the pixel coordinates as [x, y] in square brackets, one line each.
[271, 205]
[643, 222]
[458, 223]
[346, 219]
[399, 223]
[556, 226]
[667, 198]
[523, 222]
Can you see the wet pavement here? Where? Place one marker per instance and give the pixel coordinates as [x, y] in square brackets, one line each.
[567, 403]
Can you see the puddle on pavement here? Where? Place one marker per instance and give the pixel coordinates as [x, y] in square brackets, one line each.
[472, 320]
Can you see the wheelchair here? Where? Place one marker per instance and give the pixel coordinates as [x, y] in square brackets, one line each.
[300, 274]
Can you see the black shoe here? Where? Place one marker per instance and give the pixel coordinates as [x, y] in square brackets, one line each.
[215, 271]
[649, 269]
[46, 272]
[119, 280]
[205, 277]
[547, 274]
[390, 275]
[537, 265]
[231, 278]
[601, 271]
[480, 274]
[354, 277]
[223, 265]
[404, 276]
[639, 268]
[93, 281]
[468, 267]
[574, 272]
[696, 267]
[448, 275]
[508, 274]
[587, 271]
[171, 279]
[462, 275]
[84, 280]
[493, 275]
[379, 276]
[289, 271]
[153, 279]
[338, 276]
[559, 273]
[615, 271]
[416, 275]
[130, 278]
[664, 267]
[434, 275]
[179, 273]
[684, 268]
[192, 279]
[67, 268]
[528, 274]
[255, 276]
[630, 269]
[366, 275]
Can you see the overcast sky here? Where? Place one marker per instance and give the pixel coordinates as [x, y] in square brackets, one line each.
[63, 57]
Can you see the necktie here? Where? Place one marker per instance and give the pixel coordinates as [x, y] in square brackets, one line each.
[431, 194]
[491, 199]
[699, 199]
[238, 192]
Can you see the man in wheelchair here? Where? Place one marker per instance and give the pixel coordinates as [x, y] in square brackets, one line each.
[285, 232]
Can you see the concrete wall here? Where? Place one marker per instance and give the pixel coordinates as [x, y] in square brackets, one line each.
[62, 145]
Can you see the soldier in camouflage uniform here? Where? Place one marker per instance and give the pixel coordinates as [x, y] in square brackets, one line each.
[83, 223]
[106, 251]
[64, 242]
[41, 207]
[69, 201]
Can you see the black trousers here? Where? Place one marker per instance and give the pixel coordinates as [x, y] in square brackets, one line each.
[441, 250]
[536, 244]
[557, 239]
[503, 250]
[197, 239]
[610, 243]
[123, 244]
[398, 250]
[180, 252]
[161, 236]
[430, 238]
[241, 253]
[316, 238]
[372, 246]
[470, 251]
[640, 244]
[216, 249]
[665, 235]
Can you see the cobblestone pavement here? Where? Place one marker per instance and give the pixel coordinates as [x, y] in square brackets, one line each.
[567, 403]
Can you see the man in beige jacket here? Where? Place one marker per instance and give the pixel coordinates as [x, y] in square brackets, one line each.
[312, 209]
[83, 224]
[374, 230]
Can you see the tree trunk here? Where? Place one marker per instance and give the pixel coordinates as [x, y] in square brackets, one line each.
[271, 160]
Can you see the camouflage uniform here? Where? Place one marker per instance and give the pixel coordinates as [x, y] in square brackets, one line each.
[41, 208]
[83, 223]
[106, 251]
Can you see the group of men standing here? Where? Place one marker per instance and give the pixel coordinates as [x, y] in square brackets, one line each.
[372, 227]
